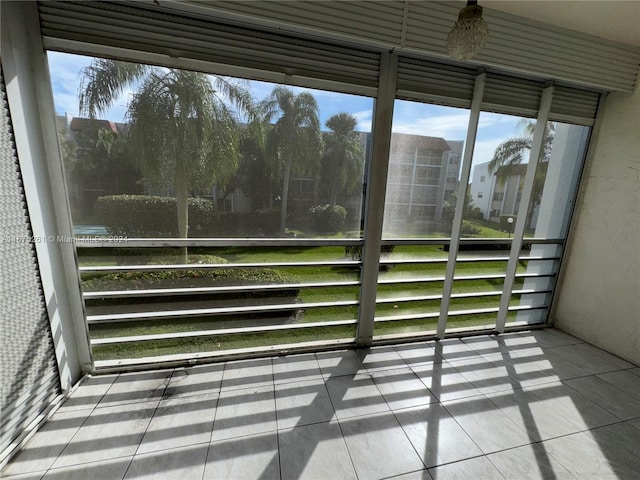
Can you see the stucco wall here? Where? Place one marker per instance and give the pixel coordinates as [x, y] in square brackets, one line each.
[599, 294]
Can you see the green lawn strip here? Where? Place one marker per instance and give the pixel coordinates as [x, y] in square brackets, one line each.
[219, 343]
[306, 295]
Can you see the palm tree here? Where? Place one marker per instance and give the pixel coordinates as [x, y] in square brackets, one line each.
[182, 125]
[511, 153]
[343, 157]
[294, 141]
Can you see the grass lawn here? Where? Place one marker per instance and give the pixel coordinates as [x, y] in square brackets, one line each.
[433, 272]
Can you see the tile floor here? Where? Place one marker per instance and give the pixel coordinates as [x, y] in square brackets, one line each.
[534, 405]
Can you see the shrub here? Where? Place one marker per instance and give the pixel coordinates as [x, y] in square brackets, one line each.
[469, 228]
[327, 218]
[252, 224]
[192, 278]
[149, 216]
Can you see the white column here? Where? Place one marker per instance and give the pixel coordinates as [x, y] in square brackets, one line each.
[33, 116]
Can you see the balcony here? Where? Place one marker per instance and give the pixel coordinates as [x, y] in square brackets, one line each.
[240, 297]
[537, 404]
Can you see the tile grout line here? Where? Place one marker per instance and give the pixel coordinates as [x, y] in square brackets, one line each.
[155, 410]
[213, 423]
[86, 419]
[333, 407]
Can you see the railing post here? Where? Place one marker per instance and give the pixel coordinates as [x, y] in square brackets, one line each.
[456, 229]
[375, 196]
[518, 231]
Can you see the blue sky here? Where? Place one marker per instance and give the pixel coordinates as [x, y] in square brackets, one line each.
[409, 117]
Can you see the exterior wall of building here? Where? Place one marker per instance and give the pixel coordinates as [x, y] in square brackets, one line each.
[482, 188]
[597, 297]
[423, 171]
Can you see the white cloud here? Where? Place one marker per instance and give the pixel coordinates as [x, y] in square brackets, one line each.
[363, 120]
[449, 127]
[484, 150]
[65, 80]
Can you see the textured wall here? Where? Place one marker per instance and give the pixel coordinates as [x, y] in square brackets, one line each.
[599, 297]
[28, 372]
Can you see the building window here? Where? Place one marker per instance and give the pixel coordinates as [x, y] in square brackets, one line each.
[480, 194]
[498, 196]
[483, 178]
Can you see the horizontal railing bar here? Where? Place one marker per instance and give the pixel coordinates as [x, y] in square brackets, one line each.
[386, 281]
[478, 241]
[422, 298]
[159, 292]
[212, 266]
[124, 242]
[474, 311]
[118, 317]
[391, 261]
[105, 366]
[414, 316]
[336, 263]
[223, 331]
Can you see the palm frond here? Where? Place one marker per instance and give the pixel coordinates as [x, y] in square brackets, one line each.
[103, 81]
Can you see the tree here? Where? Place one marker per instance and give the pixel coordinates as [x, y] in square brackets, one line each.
[343, 158]
[470, 210]
[182, 125]
[294, 141]
[511, 153]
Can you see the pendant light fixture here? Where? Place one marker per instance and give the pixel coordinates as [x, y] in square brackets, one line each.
[468, 34]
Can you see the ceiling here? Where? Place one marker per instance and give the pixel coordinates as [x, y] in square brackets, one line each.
[617, 20]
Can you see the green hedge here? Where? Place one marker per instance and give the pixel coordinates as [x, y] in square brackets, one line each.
[191, 278]
[146, 216]
[251, 224]
[328, 218]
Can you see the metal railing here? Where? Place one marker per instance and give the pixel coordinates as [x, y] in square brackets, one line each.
[213, 320]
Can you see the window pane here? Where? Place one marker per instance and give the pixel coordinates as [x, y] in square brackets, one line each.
[500, 160]
[556, 180]
[549, 211]
[424, 167]
[186, 154]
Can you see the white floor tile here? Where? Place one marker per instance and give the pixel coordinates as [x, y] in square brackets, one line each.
[180, 422]
[250, 457]
[314, 452]
[379, 447]
[247, 374]
[530, 462]
[625, 380]
[89, 393]
[355, 395]
[199, 380]
[487, 425]
[603, 453]
[303, 403]
[113, 469]
[380, 358]
[296, 368]
[108, 433]
[435, 435]
[401, 388]
[179, 463]
[610, 398]
[136, 387]
[475, 468]
[444, 381]
[45, 446]
[343, 362]
[244, 412]
[551, 410]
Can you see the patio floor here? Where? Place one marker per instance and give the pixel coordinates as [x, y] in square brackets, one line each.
[533, 405]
